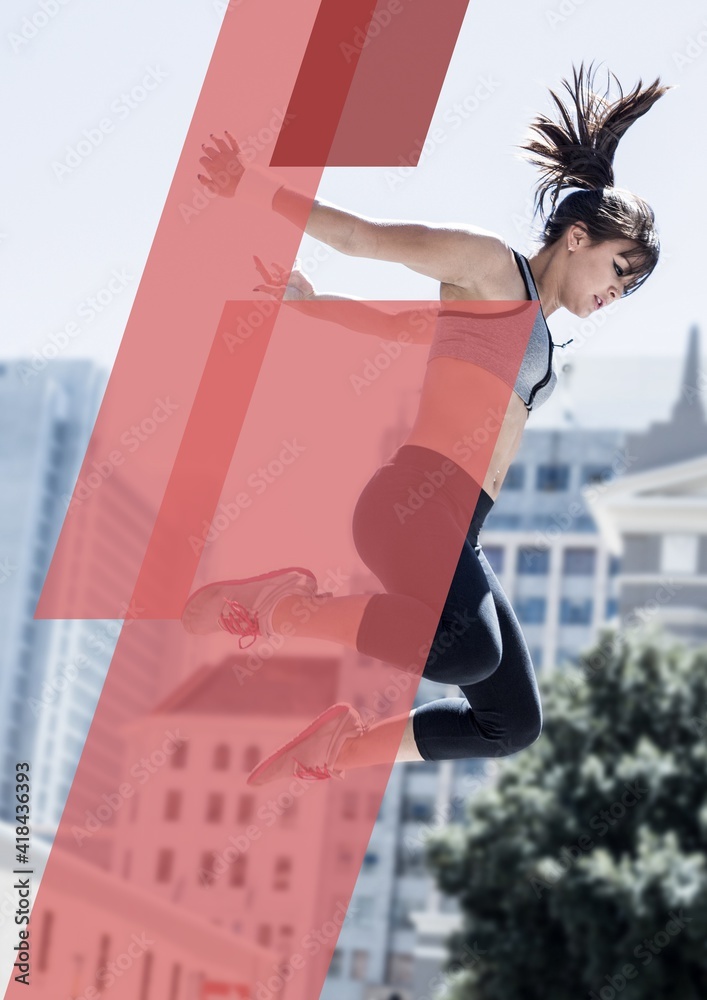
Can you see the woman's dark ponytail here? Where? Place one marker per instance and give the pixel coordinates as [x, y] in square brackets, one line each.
[580, 153]
[577, 151]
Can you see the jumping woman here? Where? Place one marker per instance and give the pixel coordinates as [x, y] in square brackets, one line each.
[598, 243]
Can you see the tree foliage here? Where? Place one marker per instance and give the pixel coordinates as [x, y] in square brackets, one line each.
[580, 870]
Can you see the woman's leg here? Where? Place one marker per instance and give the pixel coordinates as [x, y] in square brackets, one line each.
[413, 540]
[410, 551]
[415, 553]
[336, 619]
[374, 747]
[497, 716]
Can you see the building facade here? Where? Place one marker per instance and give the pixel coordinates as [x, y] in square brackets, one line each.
[52, 671]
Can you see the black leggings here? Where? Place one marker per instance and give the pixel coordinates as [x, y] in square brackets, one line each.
[412, 519]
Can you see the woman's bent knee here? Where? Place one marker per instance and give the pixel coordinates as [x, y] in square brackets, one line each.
[523, 737]
[453, 661]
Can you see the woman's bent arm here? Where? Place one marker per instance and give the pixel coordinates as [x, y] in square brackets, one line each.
[464, 256]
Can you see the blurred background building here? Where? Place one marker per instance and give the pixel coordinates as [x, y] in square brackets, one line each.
[46, 418]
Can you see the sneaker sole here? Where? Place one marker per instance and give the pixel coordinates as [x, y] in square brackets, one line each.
[198, 603]
[330, 713]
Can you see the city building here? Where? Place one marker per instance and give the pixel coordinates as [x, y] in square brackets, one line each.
[52, 671]
[193, 833]
[655, 517]
[91, 933]
[45, 421]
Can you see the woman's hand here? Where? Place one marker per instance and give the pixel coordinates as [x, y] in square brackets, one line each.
[283, 284]
[224, 165]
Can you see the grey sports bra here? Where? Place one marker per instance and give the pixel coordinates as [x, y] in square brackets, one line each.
[496, 342]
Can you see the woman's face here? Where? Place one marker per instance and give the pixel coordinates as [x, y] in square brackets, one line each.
[595, 274]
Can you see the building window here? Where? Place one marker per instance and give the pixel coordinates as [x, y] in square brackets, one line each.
[45, 941]
[237, 877]
[401, 914]
[553, 478]
[344, 856]
[214, 807]
[533, 560]
[146, 978]
[289, 816]
[283, 870]
[576, 612]
[612, 607]
[614, 565]
[531, 610]
[359, 964]
[411, 861]
[418, 810]
[370, 861]
[179, 757]
[337, 963]
[579, 562]
[494, 555]
[264, 935]
[349, 805]
[515, 478]
[679, 553]
[175, 982]
[246, 808]
[285, 935]
[503, 522]
[251, 757]
[172, 804]
[222, 757]
[595, 474]
[165, 863]
[399, 970]
[207, 875]
[362, 911]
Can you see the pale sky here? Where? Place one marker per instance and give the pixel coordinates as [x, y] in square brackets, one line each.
[64, 239]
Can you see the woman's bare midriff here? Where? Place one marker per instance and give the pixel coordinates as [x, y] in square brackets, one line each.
[472, 417]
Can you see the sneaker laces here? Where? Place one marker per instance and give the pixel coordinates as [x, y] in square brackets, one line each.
[239, 621]
[316, 773]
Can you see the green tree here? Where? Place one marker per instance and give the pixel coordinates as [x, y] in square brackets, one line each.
[580, 870]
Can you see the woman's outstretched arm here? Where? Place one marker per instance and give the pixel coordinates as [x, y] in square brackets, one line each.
[466, 256]
[415, 326]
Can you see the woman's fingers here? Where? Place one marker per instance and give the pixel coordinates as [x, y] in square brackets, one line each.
[210, 151]
[206, 162]
[262, 269]
[235, 148]
[208, 183]
[220, 144]
[279, 271]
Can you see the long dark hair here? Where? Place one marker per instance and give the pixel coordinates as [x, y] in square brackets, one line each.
[579, 154]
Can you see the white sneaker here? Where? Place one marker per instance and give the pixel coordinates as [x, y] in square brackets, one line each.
[312, 754]
[245, 607]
